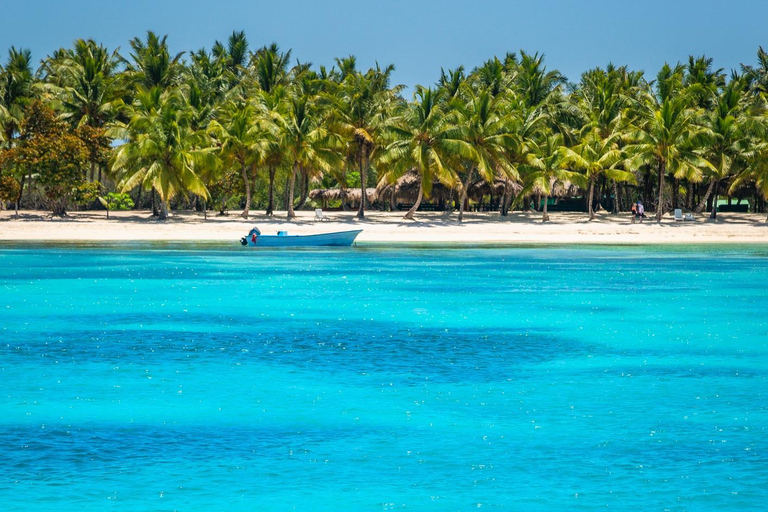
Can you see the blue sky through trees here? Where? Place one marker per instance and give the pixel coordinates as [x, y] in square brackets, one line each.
[419, 37]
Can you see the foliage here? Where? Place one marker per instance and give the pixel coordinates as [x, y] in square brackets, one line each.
[86, 193]
[9, 188]
[116, 202]
[234, 122]
[55, 154]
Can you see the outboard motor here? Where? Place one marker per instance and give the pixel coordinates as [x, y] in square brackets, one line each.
[252, 234]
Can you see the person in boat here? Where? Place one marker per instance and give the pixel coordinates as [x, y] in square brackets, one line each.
[254, 233]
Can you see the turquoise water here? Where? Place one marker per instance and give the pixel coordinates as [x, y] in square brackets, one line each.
[141, 377]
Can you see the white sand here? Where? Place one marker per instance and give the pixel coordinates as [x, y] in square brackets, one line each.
[565, 228]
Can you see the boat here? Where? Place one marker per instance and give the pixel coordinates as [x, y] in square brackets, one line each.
[283, 239]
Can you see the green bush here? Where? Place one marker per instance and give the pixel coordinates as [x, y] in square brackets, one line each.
[116, 202]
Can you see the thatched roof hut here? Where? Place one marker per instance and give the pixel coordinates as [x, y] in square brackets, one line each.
[353, 194]
[348, 195]
[566, 189]
[406, 189]
[317, 194]
[481, 188]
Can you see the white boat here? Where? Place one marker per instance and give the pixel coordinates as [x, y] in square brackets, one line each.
[283, 239]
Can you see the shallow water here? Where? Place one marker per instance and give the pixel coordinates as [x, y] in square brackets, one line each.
[151, 377]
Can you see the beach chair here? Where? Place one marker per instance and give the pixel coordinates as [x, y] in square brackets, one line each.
[319, 215]
[689, 216]
[678, 214]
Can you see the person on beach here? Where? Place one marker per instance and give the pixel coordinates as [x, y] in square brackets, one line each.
[634, 212]
[640, 211]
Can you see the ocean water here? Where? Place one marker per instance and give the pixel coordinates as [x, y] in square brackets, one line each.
[201, 378]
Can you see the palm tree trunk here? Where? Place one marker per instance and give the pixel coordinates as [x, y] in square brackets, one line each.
[363, 180]
[689, 193]
[286, 190]
[616, 199]
[545, 217]
[703, 203]
[205, 210]
[164, 207]
[155, 212]
[271, 202]
[304, 190]
[291, 214]
[464, 190]
[713, 212]
[676, 193]
[660, 206]
[416, 205]
[247, 182]
[591, 197]
[503, 202]
[648, 188]
[507, 199]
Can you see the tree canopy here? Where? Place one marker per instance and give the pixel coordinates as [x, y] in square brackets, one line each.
[240, 124]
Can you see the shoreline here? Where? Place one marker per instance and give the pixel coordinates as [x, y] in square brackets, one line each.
[565, 228]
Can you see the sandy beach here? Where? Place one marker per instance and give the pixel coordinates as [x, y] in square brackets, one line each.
[518, 227]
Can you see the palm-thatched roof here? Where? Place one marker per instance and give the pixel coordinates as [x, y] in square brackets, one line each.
[317, 194]
[406, 189]
[566, 189]
[480, 188]
[353, 194]
[557, 188]
[347, 194]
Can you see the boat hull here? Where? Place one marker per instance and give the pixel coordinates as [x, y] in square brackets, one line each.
[337, 239]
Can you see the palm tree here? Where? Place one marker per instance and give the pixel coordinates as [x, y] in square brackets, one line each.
[669, 137]
[162, 151]
[269, 119]
[757, 76]
[536, 86]
[702, 82]
[604, 100]
[269, 72]
[233, 57]
[305, 139]
[547, 165]
[756, 171]
[729, 148]
[598, 156]
[492, 76]
[16, 91]
[425, 141]
[237, 135]
[484, 122]
[269, 68]
[362, 107]
[451, 83]
[206, 87]
[152, 64]
[84, 78]
[607, 100]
